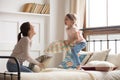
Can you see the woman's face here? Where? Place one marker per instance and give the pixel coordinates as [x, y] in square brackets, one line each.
[68, 22]
[32, 31]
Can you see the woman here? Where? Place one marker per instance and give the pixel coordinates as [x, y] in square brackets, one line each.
[22, 49]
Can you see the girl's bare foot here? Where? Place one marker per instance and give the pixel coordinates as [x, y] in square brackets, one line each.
[78, 67]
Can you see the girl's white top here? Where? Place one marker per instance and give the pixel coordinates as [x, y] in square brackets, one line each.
[71, 34]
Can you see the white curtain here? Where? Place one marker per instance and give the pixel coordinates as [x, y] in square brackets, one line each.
[78, 7]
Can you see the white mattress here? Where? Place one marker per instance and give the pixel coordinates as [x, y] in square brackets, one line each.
[98, 75]
[61, 74]
[113, 75]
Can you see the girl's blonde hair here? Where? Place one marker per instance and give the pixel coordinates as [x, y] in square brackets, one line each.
[72, 17]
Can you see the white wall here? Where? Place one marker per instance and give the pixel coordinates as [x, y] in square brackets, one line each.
[48, 28]
[56, 30]
[9, 28]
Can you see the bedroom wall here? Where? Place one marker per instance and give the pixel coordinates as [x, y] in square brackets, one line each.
[9, 28]
[57, 29]
[48, 28]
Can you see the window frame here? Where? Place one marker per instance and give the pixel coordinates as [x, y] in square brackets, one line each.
[99, 30]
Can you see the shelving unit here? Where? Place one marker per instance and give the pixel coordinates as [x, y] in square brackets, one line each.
[16, 7]
[24, 13]
[11, 17]
[49, 27]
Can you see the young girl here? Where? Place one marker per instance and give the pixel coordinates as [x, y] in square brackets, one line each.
[22, 48]
[75, 38]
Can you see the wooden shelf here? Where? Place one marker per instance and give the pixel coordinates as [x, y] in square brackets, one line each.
[25, 13]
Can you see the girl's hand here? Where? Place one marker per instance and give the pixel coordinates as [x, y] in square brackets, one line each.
[67, 42]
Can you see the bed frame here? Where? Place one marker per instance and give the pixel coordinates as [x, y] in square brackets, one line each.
[90, 31]
[11, 74]
[101, 44]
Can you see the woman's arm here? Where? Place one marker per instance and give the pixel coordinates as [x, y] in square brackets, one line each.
[31, 60]
[26, 50]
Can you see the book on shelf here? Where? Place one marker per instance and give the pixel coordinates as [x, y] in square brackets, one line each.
[27, 7]
[36, 8]
[33, 7]
[45, 8]
[41, 7]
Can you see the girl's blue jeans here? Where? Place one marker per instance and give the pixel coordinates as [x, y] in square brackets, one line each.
[12, 67]
[75, 50]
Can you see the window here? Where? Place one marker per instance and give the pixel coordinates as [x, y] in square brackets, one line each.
[100, 13]
[103, 13]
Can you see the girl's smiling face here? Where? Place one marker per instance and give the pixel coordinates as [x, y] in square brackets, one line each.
[68, 22]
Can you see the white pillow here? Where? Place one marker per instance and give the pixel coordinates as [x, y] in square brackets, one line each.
[100, 56]
[112, 58]
[115, 60]
[101, 65]
[118, 63]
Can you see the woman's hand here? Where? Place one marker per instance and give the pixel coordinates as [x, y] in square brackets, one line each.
[42, 66]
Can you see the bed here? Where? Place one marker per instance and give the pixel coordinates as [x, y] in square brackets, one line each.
[68, 74]
[55, 74]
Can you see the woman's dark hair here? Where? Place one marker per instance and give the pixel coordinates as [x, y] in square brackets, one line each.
[24, 28]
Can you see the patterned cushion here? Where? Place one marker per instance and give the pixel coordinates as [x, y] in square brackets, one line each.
[42, 59]
[57, 47]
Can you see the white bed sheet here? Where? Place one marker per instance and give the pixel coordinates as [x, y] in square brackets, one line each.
[112, 75]
[98, 75]
[61, 74]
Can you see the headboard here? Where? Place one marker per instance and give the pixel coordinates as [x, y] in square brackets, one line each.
[96, 45]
